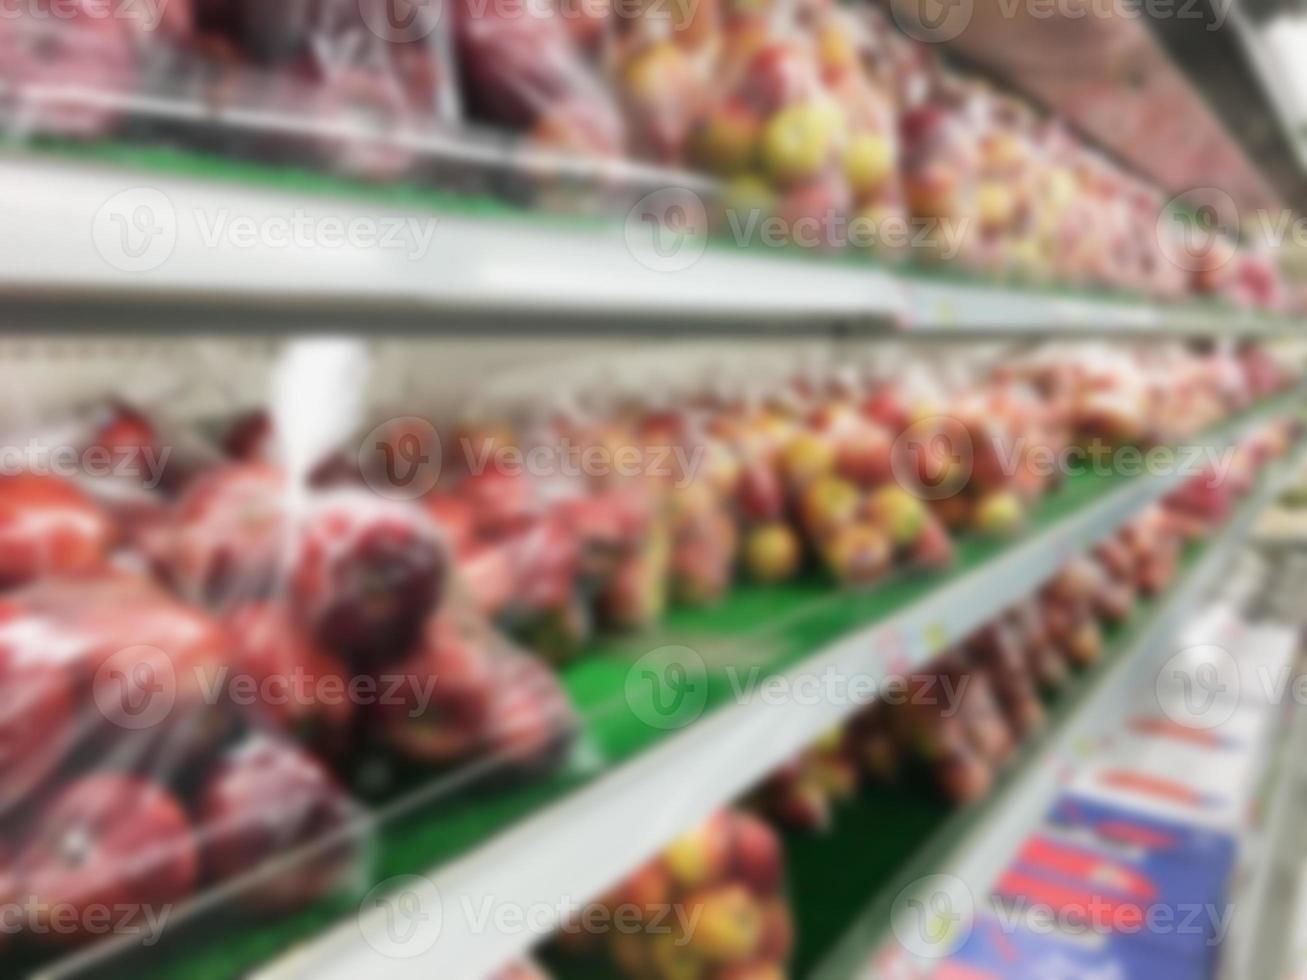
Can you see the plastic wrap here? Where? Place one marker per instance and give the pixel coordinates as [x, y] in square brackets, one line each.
[135, 778]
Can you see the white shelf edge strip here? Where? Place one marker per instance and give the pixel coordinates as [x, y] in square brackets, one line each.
[988, 849]
[123, 231]
[119, 231]
[578, 847]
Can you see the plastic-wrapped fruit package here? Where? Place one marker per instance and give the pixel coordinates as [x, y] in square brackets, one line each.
[664, 59]
[712, 904]
[360, 602]
[48, 526]
[1005, 194]
[848, 53]
[134, 775]
[360, 74]
[63, 64]
[781, 125]
[941, 169]
[523, 68]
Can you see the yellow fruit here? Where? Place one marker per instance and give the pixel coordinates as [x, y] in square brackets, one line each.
[797, 141]
[868, 163]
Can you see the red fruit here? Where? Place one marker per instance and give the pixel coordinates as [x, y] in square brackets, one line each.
[777, 932]
[886, 407]
[272, 801]
[127, 434]
[502, 502]
[761, 496]
[778, 75]
[545, 561]
[249, 439]
[516, 63]
[755, 854]
[648, 890]
[865, 456]
[49, 527]
[367, 575]
[528, 713]
[802, 805]
[302, 688]
[1115, 557]
[440, 697]
[229, 535]
[934, 548]
[9, 895]
[456, 519]
[963, 777]
[37, 702]
[107, 840]
[79, 50]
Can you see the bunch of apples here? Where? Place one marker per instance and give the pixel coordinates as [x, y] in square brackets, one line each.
[710, 907]
[131, 780]
[531, 69]
[804, 793]
[796, 125]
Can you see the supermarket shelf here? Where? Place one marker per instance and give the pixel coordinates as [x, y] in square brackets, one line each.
[225, 246]
[103, 232]
[587, 840]
[953, 309]
[991, 836]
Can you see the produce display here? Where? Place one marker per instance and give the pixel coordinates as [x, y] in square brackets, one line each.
[960, 720]
[711, 905]
[816, 125]
[220, 669]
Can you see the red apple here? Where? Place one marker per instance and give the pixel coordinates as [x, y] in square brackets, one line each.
[778, 75]
[367, 574]
[529, 715]
[440, 699]
[756, 856]
[302, 688]
[269, 805]
[761, 496]
[858, 554]
[37, 703]
[701, 856]
[934, 547]
[107, 840]
[228, 535]
[49, 527]
[865, 455]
